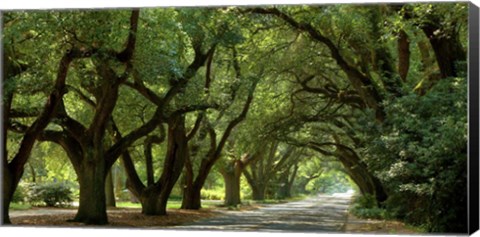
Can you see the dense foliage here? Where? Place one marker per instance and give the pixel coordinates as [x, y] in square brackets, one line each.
[421, 154]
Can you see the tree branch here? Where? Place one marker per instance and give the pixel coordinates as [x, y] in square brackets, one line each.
[127, 53]
[363, 85]
[53, 101]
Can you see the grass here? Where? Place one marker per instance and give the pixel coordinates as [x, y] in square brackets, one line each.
[174, 204]
[276, 201]
[20, 206]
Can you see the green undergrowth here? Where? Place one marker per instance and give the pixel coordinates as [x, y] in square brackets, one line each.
[20, 206]
[173, 204]
[367, 207]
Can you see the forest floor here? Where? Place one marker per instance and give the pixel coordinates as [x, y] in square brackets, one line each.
[118, 217]
[319, 214]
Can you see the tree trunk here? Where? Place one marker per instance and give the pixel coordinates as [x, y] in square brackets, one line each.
[92, 207]
[191, 198]
[232, 187]
[8, 190]
[366, 182]
[287, 179]
[109, 190]
[284, 191]
[447, 48]
[177, 154]
[403, 46]
[149, 200]
[191, 192]
[154, 198]
[258, 191]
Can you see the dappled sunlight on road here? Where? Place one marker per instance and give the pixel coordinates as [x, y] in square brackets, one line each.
[321, 213]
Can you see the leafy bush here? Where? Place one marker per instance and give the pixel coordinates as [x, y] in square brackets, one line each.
[365, 201]
[371, 213]
[420, 155]
[212, 194]
[176, 197]
[20, 194]
[366, 206]
[51, 194]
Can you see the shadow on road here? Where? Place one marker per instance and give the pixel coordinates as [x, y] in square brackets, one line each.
[322, 213]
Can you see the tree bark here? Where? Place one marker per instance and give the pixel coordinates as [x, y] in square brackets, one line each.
[149, 199]
[257, 182]
[232, 189]
[444, 40]
[109, 190]
[357, 170]
[92, 206]
[447, 48]
[8, 189]
[403, 46]
[191, 197]
[154, 197]
[231, 176]
[258, 191]
[287, 180]
[177, 153]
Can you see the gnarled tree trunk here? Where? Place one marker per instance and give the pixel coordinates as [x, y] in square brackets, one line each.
[149, 200]
[9, 186]
[154, 197]
[92, 207]
[447, 48]
[356, 169]
[258, 191]
[287, 179]
[191, 197]
[13, 171]
[365, 180]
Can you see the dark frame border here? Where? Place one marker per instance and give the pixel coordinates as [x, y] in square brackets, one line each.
[473, 153]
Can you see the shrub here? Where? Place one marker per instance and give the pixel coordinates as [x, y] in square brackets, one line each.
[124, 196]
[52, 194]
[366, 206]
[420, 155]
[212, 194]
[365, 201]
[176, 197]
[20, 194]
[372, 213]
